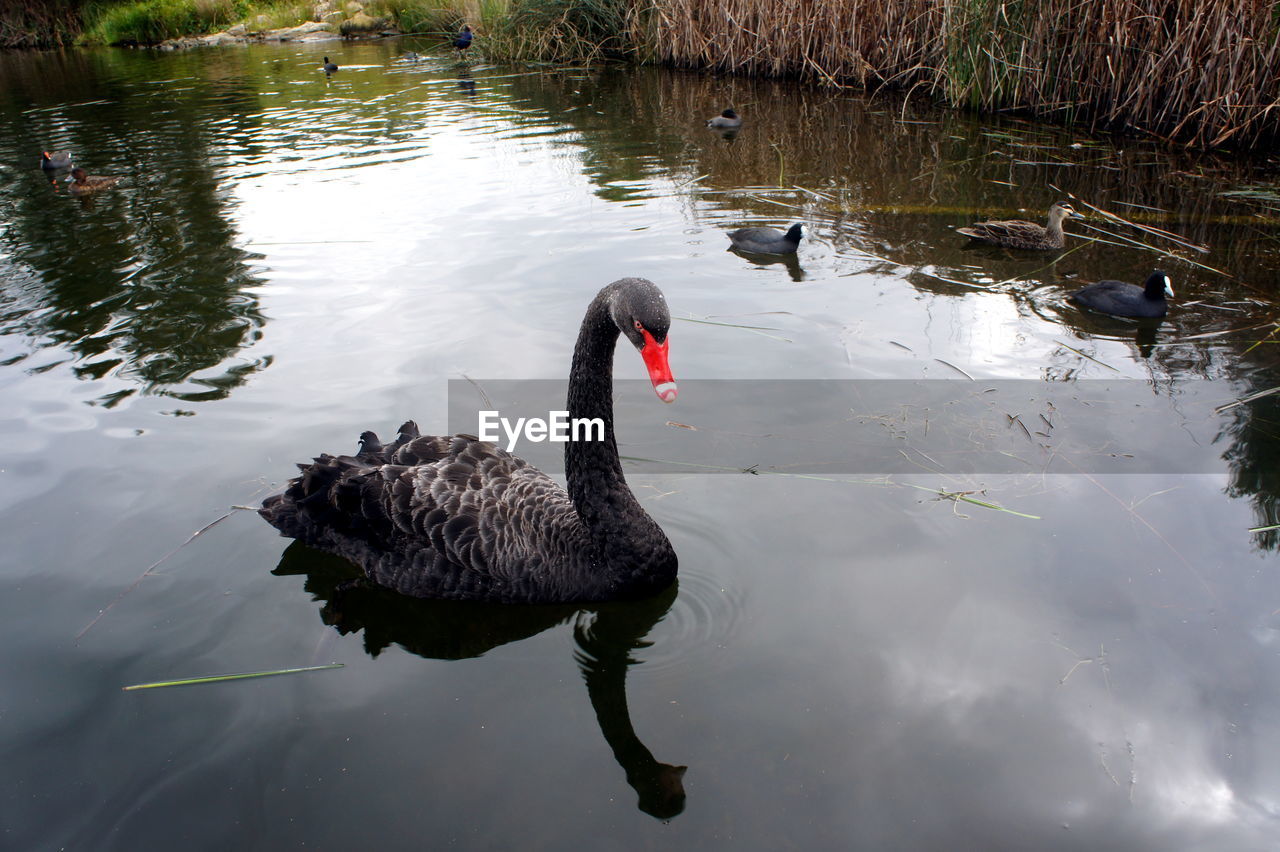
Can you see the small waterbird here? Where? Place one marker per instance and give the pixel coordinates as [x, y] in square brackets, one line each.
[1015, 233]
[727, 120]
[766, 240]
[463, 40]
[329, 67]
[56, 160]
[83, 183]
[1122, 299]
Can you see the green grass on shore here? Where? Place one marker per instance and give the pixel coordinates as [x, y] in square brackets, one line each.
[509, 30]
[154, 21]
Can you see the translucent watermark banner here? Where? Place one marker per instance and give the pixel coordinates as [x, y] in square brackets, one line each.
[875, 426]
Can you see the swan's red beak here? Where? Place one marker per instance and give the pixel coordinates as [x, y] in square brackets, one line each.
[655, 358]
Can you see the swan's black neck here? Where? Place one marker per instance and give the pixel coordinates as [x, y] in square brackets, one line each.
[591, 396]
[625, 536]
[596, 484]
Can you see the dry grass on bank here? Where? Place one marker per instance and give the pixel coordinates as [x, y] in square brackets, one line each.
[1203, 72]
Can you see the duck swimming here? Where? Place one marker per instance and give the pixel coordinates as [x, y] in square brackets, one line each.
[727, 120]
[458, 518]
[1122, 299]
[1015, 233]
[766, 240]
[55, 161]
[83, 183]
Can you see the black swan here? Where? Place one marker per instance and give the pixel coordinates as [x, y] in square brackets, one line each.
[457, 518]
[766, 240]
[1122, 299]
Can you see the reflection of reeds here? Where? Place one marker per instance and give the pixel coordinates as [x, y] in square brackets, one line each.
[1202, 71]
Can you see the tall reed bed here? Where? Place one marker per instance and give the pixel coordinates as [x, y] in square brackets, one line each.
[34, 23]
[1203, 72]
[870, 42]
[427, 17]
[560, 31]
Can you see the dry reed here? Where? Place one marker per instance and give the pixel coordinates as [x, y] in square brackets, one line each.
[1203, 72]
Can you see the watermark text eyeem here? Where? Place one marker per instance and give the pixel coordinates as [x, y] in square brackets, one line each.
[557, 428]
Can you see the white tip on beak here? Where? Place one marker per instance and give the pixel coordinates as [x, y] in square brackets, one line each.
[666, 391]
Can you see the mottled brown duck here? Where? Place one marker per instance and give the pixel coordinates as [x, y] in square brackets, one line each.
[83, 183]
[1015, 233]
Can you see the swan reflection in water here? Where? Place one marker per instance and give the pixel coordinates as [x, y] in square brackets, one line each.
[606, 635]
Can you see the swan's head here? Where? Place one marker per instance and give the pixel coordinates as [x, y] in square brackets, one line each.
[640, 311]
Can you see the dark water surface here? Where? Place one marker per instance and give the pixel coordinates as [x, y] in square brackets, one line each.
[850, 660]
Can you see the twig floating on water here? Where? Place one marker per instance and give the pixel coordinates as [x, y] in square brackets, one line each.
[754, 329]
[151, 570]
[1250, 398]
[218, 678]
[957, 369]
[1083, 355]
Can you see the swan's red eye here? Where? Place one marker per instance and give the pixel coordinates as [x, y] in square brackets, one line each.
[639, 326]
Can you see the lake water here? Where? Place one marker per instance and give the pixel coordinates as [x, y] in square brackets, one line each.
[852, 659]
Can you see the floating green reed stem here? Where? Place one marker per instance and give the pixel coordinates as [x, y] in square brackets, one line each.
[1267, 528]
[1258, 343]
[217, 678]
[1247, 399]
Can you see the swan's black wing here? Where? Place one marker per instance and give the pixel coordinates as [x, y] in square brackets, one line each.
[442, 517]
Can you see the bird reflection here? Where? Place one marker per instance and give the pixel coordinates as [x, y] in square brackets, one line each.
[1146, 337]
[605, 635]
[1145, 332]
[790, 261]
[466, 84]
